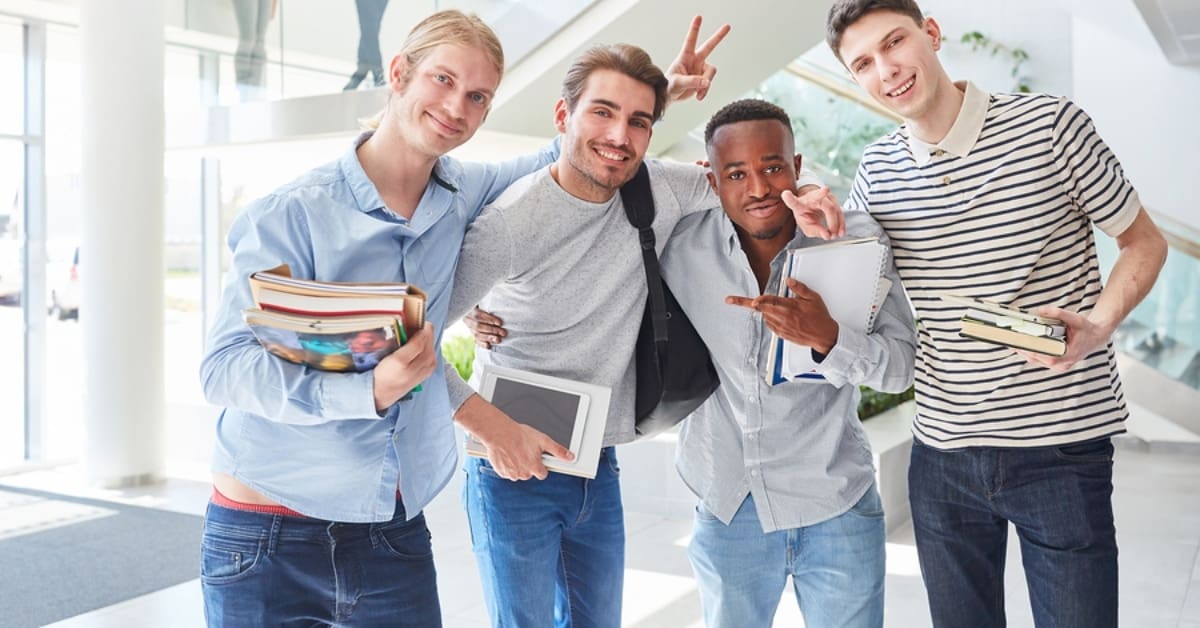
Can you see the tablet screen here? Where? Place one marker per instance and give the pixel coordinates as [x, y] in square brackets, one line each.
[552, 412]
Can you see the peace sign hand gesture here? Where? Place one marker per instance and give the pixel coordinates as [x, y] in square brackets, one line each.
[690, 73]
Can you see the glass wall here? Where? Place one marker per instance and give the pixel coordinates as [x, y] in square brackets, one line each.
[12, 75]
[12, 325]
[12, 182]
[62, 420]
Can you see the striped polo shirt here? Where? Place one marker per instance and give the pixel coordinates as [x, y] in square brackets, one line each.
[1001, 209]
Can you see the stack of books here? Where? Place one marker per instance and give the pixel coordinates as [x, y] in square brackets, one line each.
[329, 325]
[1010, 327]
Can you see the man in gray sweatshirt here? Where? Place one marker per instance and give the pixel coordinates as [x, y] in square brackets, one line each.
[556, 257]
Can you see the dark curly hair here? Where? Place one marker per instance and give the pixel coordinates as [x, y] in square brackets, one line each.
[745, 110]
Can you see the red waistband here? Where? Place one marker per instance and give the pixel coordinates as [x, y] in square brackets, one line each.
[221, 500]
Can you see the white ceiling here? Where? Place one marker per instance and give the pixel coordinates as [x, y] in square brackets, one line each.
[1176, 26]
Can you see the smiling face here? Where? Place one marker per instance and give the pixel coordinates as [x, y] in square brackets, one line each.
[894, 59]
[606, 136]
[752, 163]
[440, 103]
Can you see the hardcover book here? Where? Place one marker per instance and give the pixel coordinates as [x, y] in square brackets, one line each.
[328, 325]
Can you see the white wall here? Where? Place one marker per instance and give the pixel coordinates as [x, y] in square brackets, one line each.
[1147, 109]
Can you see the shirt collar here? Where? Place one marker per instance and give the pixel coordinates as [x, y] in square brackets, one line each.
[734, 244]
[365, 193]
[963, 134]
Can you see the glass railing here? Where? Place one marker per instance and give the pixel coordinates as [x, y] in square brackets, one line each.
[254, 50]
[1164, 330]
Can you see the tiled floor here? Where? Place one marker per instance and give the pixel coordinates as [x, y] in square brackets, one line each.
[1157, 498]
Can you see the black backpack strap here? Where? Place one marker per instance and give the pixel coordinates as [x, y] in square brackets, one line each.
[639, 208]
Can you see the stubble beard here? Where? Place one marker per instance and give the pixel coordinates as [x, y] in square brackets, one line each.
[592, 178]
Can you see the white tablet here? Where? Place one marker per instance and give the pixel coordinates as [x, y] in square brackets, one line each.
[572, 413]
[539, 402]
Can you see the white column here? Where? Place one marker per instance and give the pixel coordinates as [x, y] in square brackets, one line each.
[121, 267]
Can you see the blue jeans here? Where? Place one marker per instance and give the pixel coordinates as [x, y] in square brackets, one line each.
[550, 552]
[273, 570]
[837, 567]
[370, 16]
[1059, 499]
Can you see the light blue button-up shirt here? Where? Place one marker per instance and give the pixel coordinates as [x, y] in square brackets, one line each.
[311, 440]
[797, 447]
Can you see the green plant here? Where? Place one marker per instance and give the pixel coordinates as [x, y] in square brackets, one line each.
[874, 402]
[1015, 56]
[460, 352]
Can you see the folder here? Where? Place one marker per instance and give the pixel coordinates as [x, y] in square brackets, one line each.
[848, 274]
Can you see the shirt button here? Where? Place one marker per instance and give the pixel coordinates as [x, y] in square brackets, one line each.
[753, 473]
[946, 180]
[938, 152]
[752, 435]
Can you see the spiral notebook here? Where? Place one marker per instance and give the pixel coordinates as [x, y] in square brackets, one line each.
[848, 274]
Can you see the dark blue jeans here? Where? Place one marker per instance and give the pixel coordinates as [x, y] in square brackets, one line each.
[1059, 499]
[273, 570]
[550, 552]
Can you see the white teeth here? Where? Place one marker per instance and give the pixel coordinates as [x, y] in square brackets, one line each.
[903, 88]
[613, 156]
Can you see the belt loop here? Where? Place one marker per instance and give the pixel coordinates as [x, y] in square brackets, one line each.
[273, 534]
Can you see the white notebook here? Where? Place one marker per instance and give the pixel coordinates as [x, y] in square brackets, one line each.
[848, 274]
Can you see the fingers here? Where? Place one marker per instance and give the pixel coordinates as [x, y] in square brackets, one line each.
[745, 302]
[831, 211]
[807, 218]
[709, 73]
[686, 84]
[799, 289]
[689, 41]
[712, 41]
[552, 447]
[484, 316]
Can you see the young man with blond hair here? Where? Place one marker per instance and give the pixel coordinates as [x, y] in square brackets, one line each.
[320, 478]
[995, 196]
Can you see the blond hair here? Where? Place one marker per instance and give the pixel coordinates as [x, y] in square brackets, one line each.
[444, 27]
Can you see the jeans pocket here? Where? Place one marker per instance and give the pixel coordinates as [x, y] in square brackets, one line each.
[485, 469]
[869, 506]
[407, 540]
[227, 558]
[1090, 452]
[611, 460]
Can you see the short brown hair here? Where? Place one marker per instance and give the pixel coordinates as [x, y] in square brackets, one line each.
[844, 13]
[624, 58]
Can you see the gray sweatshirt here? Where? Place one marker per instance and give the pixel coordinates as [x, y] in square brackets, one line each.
[566, 277]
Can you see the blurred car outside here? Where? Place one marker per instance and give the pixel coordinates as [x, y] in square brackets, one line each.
[62, 276]
[64, 288]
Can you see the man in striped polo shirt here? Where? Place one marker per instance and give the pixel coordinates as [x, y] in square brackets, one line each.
[994, 196]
